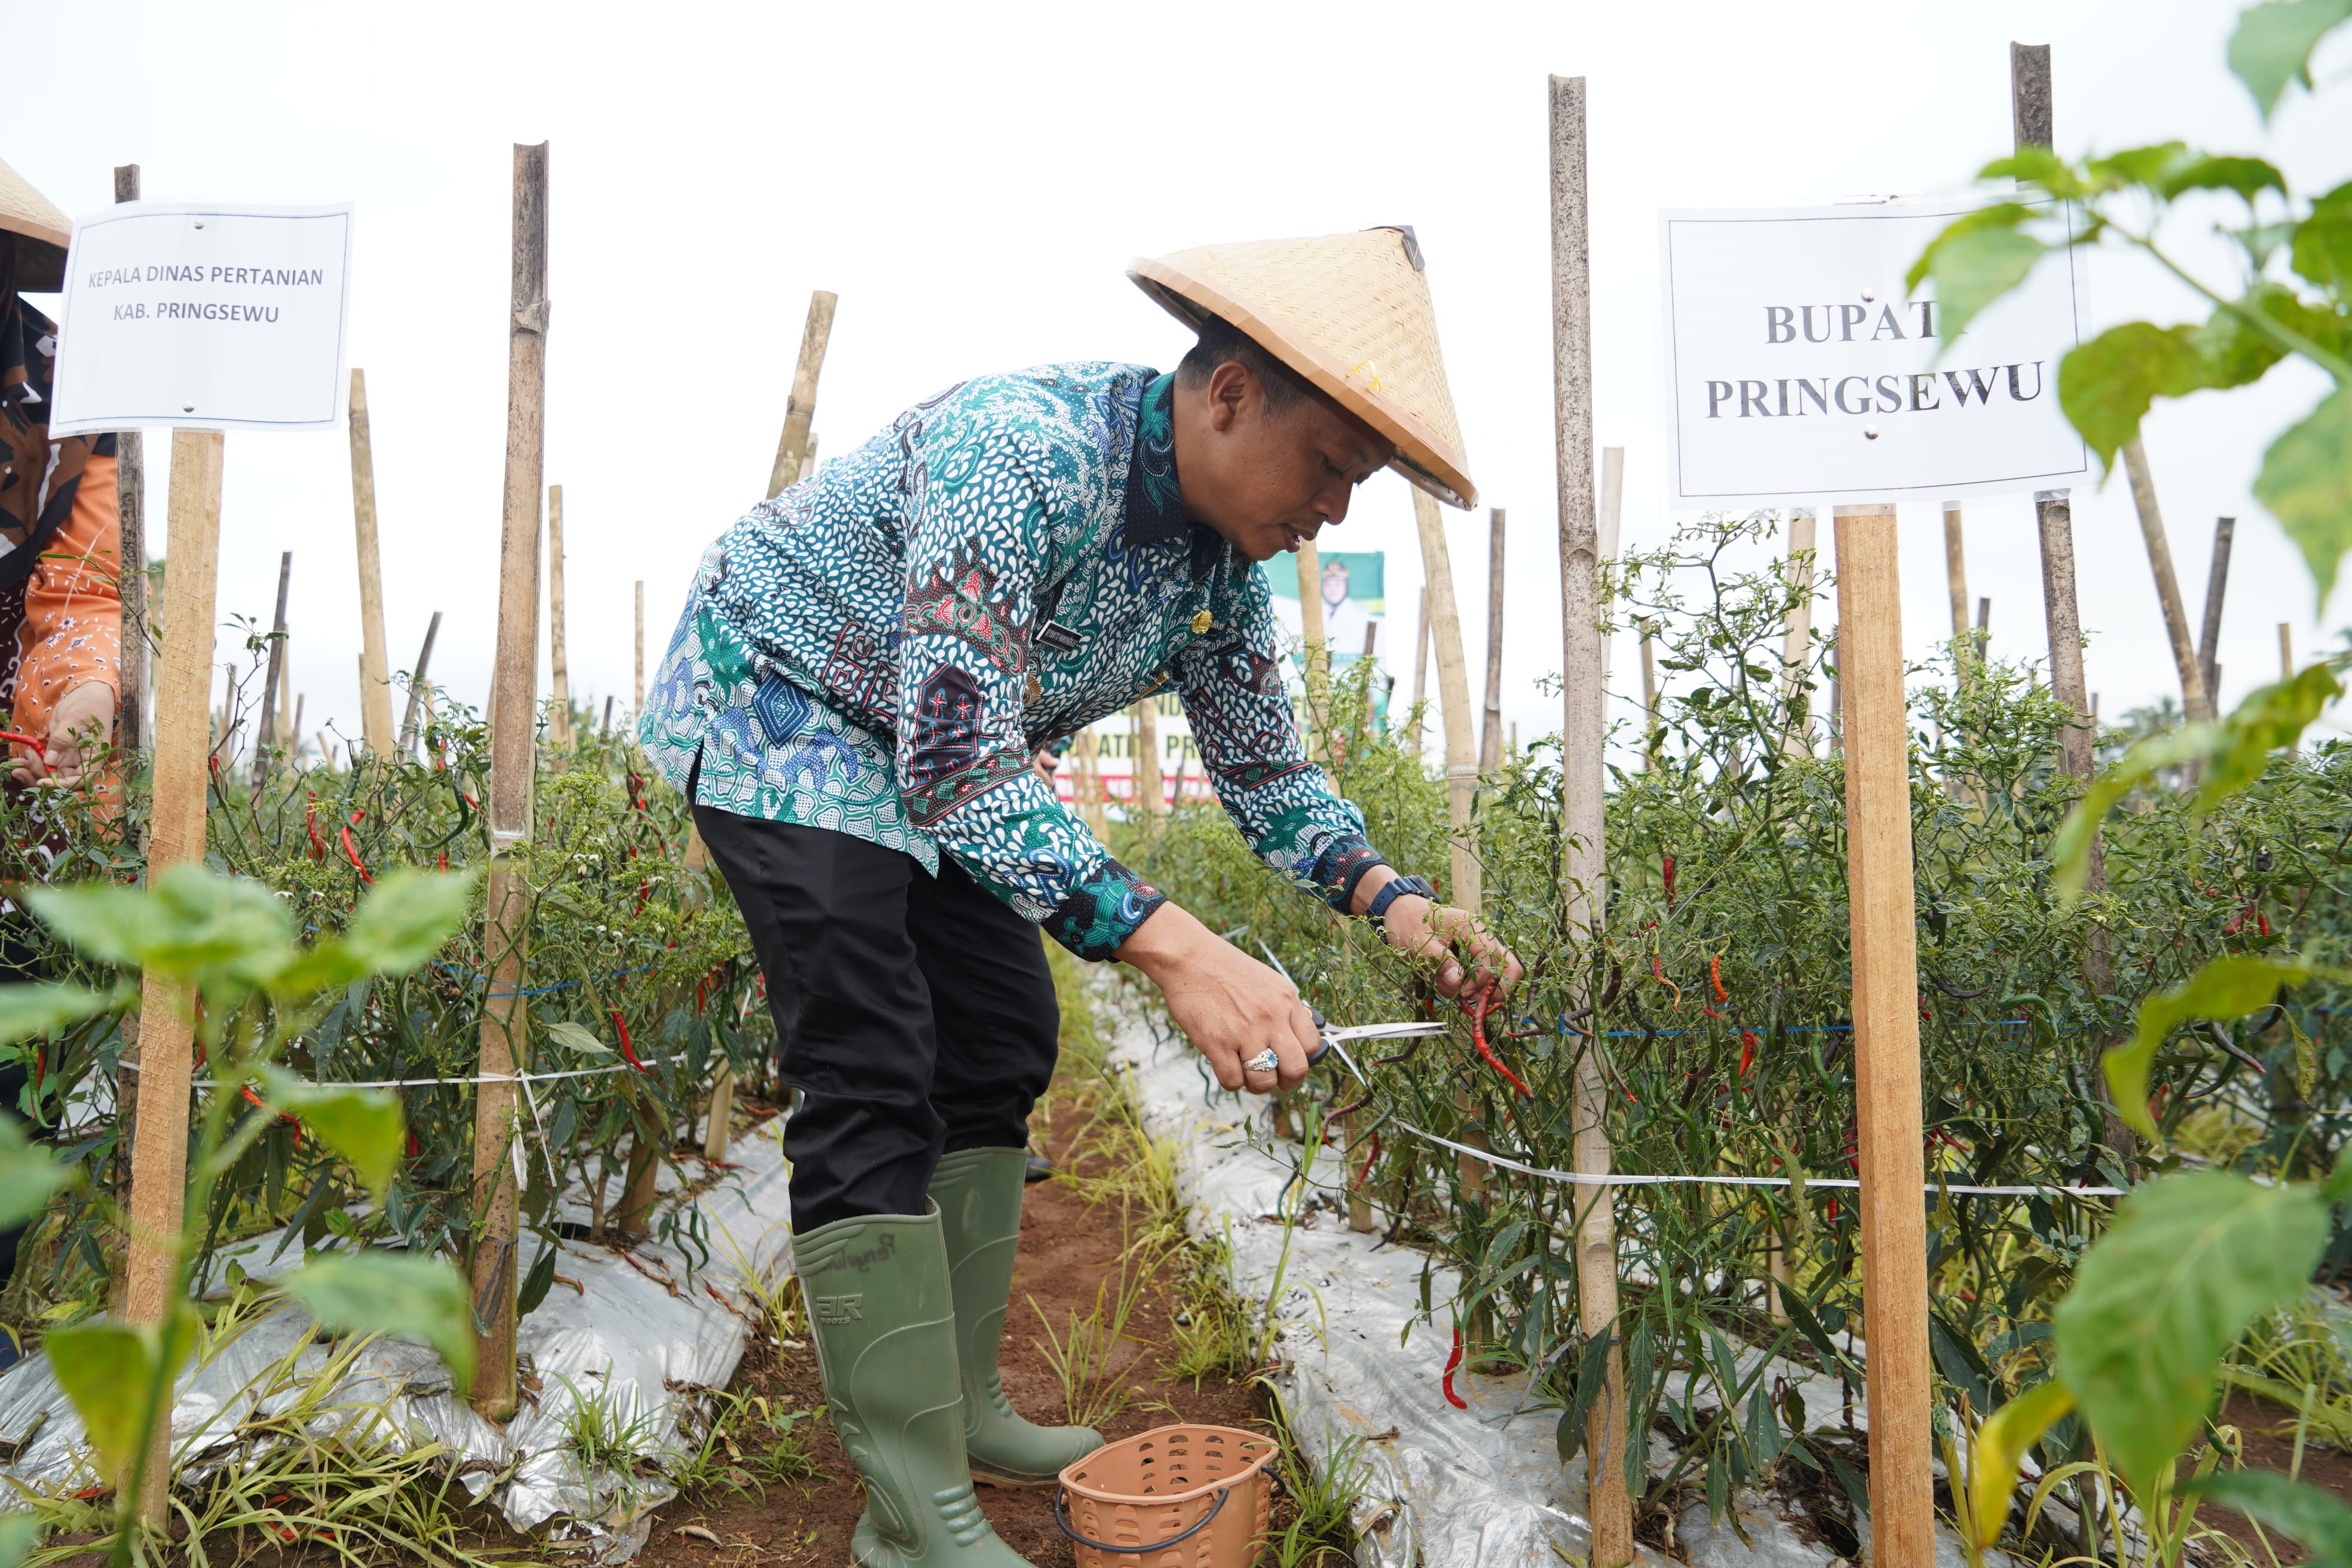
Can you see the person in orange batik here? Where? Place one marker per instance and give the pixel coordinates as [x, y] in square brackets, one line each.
[60, 526]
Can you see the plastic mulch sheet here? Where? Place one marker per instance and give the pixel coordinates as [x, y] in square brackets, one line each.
[641, 1331]
[1362, 1360]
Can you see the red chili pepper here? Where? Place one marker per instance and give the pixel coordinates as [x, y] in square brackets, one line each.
[2264, 920]
[701, 995]
[443, 857]
[644, 892]
[1747, 1051]
[310, 826]
[214, 761]
[1364, 1173]
[1452, 1362]
[40, 1066]
[351, 852]
[18, 737]
[1658, 974]
[414, 1148]
[1478, 1035]
[1715, 973]
[1670, 884]
[626, 1049]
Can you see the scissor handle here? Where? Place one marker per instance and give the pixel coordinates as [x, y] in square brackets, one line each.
[1322, 1042]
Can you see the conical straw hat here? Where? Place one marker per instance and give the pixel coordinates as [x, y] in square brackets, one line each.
[24, 210]
[1350, 313]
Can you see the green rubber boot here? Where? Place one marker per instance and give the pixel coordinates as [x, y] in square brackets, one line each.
[979, 1194]
[884, 1323]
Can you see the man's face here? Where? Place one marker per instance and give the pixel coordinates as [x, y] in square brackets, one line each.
[1267, 482]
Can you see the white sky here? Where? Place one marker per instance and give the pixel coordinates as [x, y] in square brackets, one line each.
[972, 181]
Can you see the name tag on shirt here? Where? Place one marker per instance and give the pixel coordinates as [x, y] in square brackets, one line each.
[1059, 637]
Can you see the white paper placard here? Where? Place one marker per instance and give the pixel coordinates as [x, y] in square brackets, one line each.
[1799, 371]
[204, 316]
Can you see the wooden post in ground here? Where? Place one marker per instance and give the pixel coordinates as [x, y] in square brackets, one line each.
[272, 685]
[1584, 785]
[1649, 696]
[1420, 673]
[2193, 697]
[2286, 671]
[130, 728]
[555, 658]
[1145, 778]
[1956, 582]
[1797, 634]
[418, 685]
[497, 1123]
[175, 831]
[1315, 653]
[1490, 736]
[1886, 1038]
[376, 669]
[637, 685]
[792, 446]
[2216, 585]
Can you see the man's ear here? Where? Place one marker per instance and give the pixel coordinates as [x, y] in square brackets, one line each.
[1231, 388]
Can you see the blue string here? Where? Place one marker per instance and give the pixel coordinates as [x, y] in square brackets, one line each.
[536, 990]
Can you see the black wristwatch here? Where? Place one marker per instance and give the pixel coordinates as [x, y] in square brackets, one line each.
[1394, 888]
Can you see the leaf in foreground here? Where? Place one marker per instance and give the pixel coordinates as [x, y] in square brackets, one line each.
[2313, 1517]
[2189, 1263]
[363, 1125]
[2307, 483]
[17, 1533]
[406, 918]
[2231, 986]
[109, 1370]
[379, 1293]
[2273, 42]
[2000, 1447]
[27, 1012]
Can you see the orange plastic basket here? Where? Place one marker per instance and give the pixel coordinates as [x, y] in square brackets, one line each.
[1176, 1497]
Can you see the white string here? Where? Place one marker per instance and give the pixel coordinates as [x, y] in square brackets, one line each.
[527, 1078]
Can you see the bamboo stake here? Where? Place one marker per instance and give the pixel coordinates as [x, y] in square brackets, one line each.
[175, 831]
[2193, 699]
[496, 1122]
[267, 735]
[638, 685]
[1453, 703]
[1146, 781]
[1797, 633]
[1420, 674]
[2286, 672]
[1649, 696]
[1956, 579]
[294, 727]
[1886, 1037]
[376, 673]
[1612, 517]
[418, 685]
[792, 446]
[2217, 583]
[1315, 653]
[1490, 737]
[131, 728]
[1583, 783]
[555, 657]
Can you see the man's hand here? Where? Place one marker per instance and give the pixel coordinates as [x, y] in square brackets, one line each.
[1043, 763]
[80, 725]
[1231, 1006]
[1424, 929]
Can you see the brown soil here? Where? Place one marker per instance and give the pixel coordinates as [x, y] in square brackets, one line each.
[1067, 1250]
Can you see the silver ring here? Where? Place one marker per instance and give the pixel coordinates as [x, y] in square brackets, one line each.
[1265, 1061]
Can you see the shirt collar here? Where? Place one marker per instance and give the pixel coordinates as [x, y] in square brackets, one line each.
[1155, 500]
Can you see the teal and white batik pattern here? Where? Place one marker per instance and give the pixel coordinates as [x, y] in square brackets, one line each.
[880, 649]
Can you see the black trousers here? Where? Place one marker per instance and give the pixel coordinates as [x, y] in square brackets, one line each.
[915, 1014]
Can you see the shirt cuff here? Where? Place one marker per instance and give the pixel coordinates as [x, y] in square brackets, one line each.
[1103, 912]
[1341, 866]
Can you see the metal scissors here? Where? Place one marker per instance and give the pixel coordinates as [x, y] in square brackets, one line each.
[1333, 1037]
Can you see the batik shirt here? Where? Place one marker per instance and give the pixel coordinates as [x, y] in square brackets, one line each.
[880, 649]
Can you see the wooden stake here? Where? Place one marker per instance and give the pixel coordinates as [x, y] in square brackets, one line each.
[175, 831]
[792, 446]
[2286, 670]
[504, 1024]
[638, 685]
[1145, 780]
[1583, 783]
[1454, 702]
[1315, 653]
[1649, 696]
[131, 728]
[1612, 517]
[1797, 633]
[555, 659]
[1490, 735]
[269, 687]
[1886, 1038]
[2193, 700]
[2216, 585]
[418, 685]
[375, 672]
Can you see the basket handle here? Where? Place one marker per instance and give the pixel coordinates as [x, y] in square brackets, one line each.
[1062, 1518]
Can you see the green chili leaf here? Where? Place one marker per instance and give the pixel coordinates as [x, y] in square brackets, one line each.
[1979, 257]
[2000, 1447]
[2211, 171]
[2307, 483]
[385, 1292]
[2322, 248]
[28, 1012]
[190, 924]
[2272, 44]
[110, 1370]
[363, 1125]
[28, 1176]
[2189, 1263]
[405, 918]
[2228, 987]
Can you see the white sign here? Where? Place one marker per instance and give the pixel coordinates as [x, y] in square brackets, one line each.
[204, 317]
[1799, 371]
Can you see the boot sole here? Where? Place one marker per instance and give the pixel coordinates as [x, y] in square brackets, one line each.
[1010, 1483]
